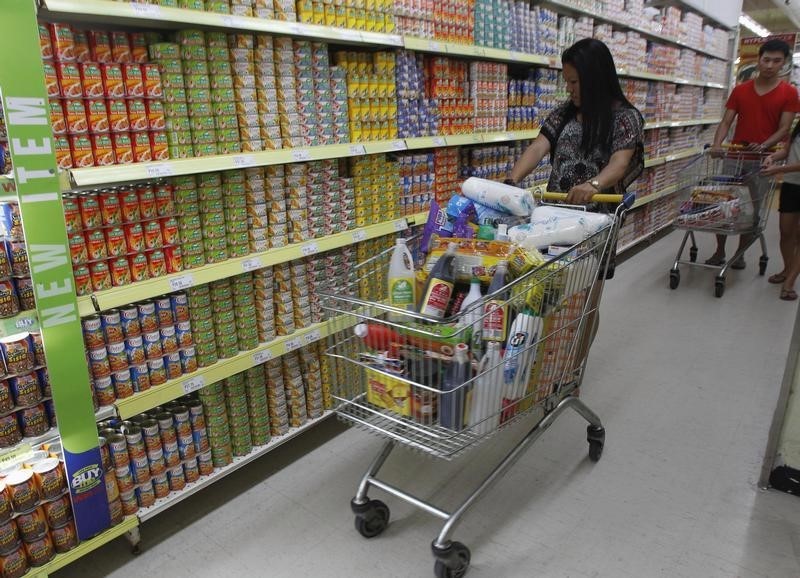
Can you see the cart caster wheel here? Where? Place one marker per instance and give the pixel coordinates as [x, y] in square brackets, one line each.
[451, 562]
[719, 287]
[693, 254]
[136, 550]
[762, 265]
[596, 436]
[674, 279]
[372, 518]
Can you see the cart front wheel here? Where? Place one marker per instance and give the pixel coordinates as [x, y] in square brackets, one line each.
[719, 287]
[452, 562]
[596, 436]
[371, 518]
[762, 265]
[693, 254]
[674, 279]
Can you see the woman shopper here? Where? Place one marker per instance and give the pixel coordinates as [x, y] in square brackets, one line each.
[789, 209]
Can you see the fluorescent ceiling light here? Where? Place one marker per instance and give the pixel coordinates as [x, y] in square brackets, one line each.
[754, 26]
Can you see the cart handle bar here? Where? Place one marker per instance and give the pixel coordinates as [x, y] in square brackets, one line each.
[627, 199]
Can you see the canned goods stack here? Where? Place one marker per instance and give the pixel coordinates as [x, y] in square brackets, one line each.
[371, 94]
[522, 27]
[312, 376]
[212, 218]
[278, 182]
[446, 176]
[26, 410]
[547, 31]
[416, 115]
[489, 94]
[202, 318]
[301, 303]
[167, 56]
[16, 289]
[139, 346]
[296, 194]
[493, 23]
[330, 201]
[416, 173]
[276, 398]
[257, 209]
[450, 21]
[291, 131]
[263, 284]
[328, 270]
[244, 84]
[322, 99]
[267, 93]
[295, 389]
[283, 299]
[236, 402]
[215, 410]
[36, 519]
[377, 17]
[547, 95]
[326, 374]
[493, 162]
[449, 83]
[522, 114]
[364, 251]
[187, 206]
[197, 52]
[118, 237]
[377, 183]
[106, 100]
[257, 405]
[244, 301]
[234, 202]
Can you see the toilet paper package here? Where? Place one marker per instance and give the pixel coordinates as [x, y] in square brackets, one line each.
[557, 226]
[498, 196]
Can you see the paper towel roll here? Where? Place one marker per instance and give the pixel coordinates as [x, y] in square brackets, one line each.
[557, 226]
[499, 196]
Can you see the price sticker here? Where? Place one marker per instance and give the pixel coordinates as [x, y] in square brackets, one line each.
[233, 21]
[514, 56]
[349, 35]
[312, 336]
[292, 344]
[359, 235]
[159, 170]
[435, 46]
[263, 356]
[244, 161]
[181, 282]
[296, 29]
[301, 155]
[439, 141]
[400, 225]
[150, 10]
[194, 383]
[251, 264]
[309, 249]
[399, 145]
[478, 51]
[356, 150]
[477, 138]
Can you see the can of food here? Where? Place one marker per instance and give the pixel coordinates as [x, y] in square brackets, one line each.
[140, 377]
[118, 449]
[104, 391]
[134, 82]
[176, 478]
[118, 121]
[186, 448]
[120, 47]
[105, 454]
[39, 551]
[140, 468]
[6, 399]
[134, 349]
[158, 464]
[157, 371]
[166, 427]
[115, 511]
[93, 335]
[31, 525]
[21, 490]
[15, 563]
[124, 477]
[169, 339]
[98, 362]
[156, 263]
[58, 512]
[138, 267]
[123, 384]
[25, 389]
[205, 464]
[180, 415]
[113, 82]
[9, 303]
[64, 538]
[111, 322]
[152, 235]
[100, 275]
[172, 364]
[152, 344]
[9, 536]
[183, 331]
[17, 351]
[33, 421]
[95, 245]
[171, 455]
[117, 356]
[115, 242]
[145, 495]
[129, 504]
[50, 478]
[156, 116]
[129, 319]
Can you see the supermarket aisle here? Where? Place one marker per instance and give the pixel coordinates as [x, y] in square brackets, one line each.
[686, 385]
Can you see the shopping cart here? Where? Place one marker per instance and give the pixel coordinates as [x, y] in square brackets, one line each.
[399, 388]
[725, 195]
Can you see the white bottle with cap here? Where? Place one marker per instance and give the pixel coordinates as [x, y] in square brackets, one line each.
[401, 282]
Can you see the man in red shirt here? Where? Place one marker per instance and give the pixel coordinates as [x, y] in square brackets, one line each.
[764, 109]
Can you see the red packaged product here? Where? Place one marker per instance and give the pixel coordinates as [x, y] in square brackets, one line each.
[69, 79]
[156, 263]
[101, 276]
[120, 47]
[129, 201]
[100, 46]
[45, 44]
[63, 152]
[137, 114]
[159, 146]
[63, 42]
[134, 237]
[117, 115]
[57, 119]
[120, 272]
[165, 203]
[81, 148]
[141, 147]
[152, 81]
[96, 115]
[169, 231]
[138, 47]
[83, 280]
[90, 212]
[82, 51]
[134, 83]
[96, 245]
[123, 148]
[91, 79]
[110, 209]
[75, 115]
[156, 119]
[72, 215]
[113, 83]
[103, 150]
[174, 258]
[152, 235]
[51, 80]
[139, 267]
[147, 202]
[115, 242]
[77, 249]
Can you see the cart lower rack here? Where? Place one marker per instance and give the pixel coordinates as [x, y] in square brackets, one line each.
[442, 386]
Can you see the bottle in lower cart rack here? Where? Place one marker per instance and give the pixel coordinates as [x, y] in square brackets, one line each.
[487, 395]
[402, 285]
[439, 288]
[519, 357]
[454, 393]
[495, 312]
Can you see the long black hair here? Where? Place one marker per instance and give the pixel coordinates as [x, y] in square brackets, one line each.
[600, 91]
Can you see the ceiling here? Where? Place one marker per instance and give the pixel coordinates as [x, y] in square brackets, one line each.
[775, 15]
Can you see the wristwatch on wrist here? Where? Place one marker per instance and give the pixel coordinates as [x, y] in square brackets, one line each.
[596, 184]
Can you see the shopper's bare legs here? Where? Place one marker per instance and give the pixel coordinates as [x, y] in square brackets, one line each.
[788, 223]
[718, 258]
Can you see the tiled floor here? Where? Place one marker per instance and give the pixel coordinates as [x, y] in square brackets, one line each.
[686, 385]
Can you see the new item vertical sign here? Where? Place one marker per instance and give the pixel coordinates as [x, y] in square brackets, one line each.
[31, 147]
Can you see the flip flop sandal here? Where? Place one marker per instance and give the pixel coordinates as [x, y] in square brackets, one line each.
[776, 279]
[715, 261]
[788, 295]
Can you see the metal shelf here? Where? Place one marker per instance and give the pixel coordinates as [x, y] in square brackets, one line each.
[485, 52]
[174, 498]
[117, 296]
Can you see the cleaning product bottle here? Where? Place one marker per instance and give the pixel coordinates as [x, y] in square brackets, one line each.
[454, 392]
[440, 284]
[520, 354]
[401, 282]
[380, 338]
[502, 232]
[495, 312]
[487, 395]
[472, 318]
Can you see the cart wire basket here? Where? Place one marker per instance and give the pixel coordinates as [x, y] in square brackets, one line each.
[393, 369]
[724, 195]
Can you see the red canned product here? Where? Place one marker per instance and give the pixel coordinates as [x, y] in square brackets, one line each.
[45, 43]
[9, 536]
[14, 564]
[72, 215]
[100, 46]
[113, 83]
[89, 207]
[120, 47]
[156, 263]
[77, 248]
[120, 272]
[165, 204]
[69, 79]
[134, 83]
[82, 51]
[32, 525]
[80, 147]
[110, 209]
[40, 551]
[147, 202]
[129, 201]
[98, 362]
[153, 87]
[117, 115]
[138, 47]
[115, 242]
[159, 145]
[101, 276]
[152, 235]
[50, 478]
[103, 150]
[123, 148]
[63, 42]
[174, 258]
[91, 79]
[139, 267]
[33, 421]
[83, 280]
[134, 237]
[137, 114]
[97, 115]
[169, 231]
[142, 153]
[10, 433]
[22, 490]
[57, 118]
[96, 244]
[63, 152]
[58, 512]
[156, 119]
[117, 356]
[51, 80]
[75, 115]
[64, 538]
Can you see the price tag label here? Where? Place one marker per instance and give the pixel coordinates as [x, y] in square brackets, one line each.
[359, 235]
[296, 29]
[244, 161]
[263, 356]
[477, 138]
[149, 10]
[356, 150]
[251, 264]
[435, 46]
[349, 35]
[478, 51]
[292, 344]
[233, 21]
[399, 145]
[162, 169]
[15, 454]
[301, 155]
[181, 282]
[309, 249]
[312, 336]
[439, 141]
[400, 225]
[194, 383]
[514, 56]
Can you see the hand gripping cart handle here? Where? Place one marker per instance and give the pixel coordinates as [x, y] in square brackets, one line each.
[440, 387]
